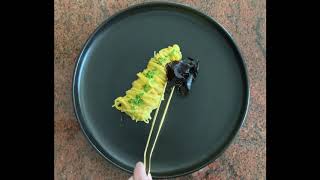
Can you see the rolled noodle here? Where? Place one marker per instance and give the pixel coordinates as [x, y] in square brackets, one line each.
[146, 92]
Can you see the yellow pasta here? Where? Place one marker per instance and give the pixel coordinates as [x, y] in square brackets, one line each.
[145, 94]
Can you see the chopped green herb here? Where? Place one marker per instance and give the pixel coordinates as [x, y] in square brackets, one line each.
[146, 87]
[158, 62]
[161, 60]
[150, 74]
[137, 100]
[172, 52]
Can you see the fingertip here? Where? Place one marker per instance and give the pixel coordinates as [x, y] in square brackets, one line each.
[140, 164]
[139, 171]
[140, 167]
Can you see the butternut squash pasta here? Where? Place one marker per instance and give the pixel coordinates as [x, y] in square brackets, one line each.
[146, 92]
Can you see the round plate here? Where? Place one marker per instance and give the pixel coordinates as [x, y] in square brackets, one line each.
[199, 127]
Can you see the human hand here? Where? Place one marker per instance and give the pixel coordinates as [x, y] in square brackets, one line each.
[139, 173]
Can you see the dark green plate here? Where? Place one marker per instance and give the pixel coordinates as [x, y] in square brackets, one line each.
[198, 128]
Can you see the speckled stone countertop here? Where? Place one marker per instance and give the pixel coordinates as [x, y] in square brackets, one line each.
[74, 21]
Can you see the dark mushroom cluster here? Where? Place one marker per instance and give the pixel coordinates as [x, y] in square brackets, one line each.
[182, 74]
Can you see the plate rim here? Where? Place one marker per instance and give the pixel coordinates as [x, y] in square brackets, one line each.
[244, 110]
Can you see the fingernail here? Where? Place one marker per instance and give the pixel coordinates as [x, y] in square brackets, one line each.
[140, 164]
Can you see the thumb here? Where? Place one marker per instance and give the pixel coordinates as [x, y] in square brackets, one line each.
[139, 172]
